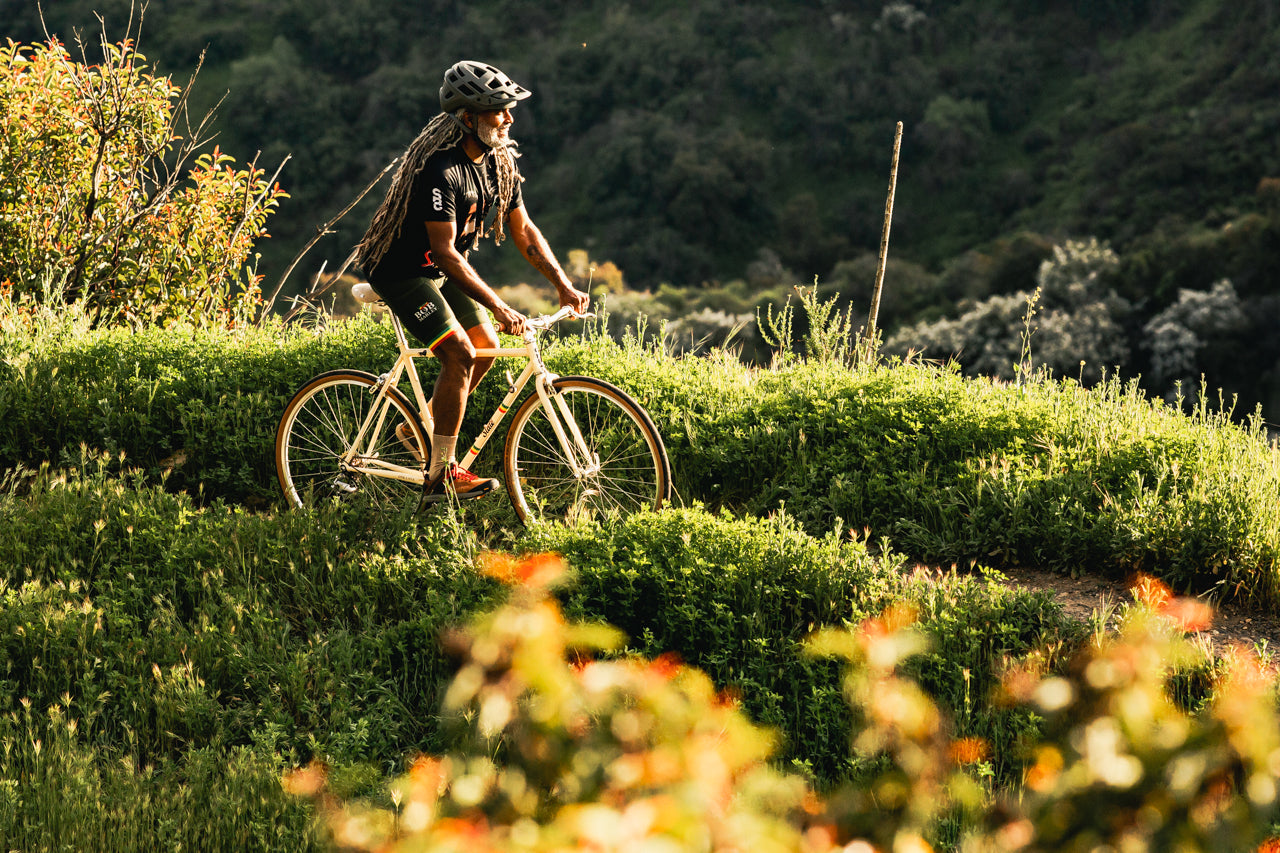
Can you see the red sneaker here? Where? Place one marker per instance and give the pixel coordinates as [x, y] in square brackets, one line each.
[455, 481]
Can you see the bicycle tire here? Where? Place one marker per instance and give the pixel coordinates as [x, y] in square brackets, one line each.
[317, 429]
[634, 472]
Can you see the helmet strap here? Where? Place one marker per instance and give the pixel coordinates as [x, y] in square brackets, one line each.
[473, 131]
[457, 119]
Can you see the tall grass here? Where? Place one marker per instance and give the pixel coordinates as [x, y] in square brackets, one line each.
[951, 470]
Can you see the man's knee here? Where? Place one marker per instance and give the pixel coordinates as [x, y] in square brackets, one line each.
[483, 337]
[456, 352]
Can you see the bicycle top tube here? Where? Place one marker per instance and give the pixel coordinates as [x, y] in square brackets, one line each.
[364, 292]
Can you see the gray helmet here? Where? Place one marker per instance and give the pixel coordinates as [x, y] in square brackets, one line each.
[477, 86]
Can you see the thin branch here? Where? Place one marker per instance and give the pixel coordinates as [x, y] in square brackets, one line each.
[322, 232]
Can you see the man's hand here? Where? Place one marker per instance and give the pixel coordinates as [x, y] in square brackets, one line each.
[575, 299]
[508, 319]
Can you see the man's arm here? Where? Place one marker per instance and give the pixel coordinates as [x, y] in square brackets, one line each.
[453, 263]
[533, 246]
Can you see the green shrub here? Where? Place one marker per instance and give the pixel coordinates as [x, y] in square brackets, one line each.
[170, 627]
[949, 469]
[95, 199]
[738, 598]
[203, 404]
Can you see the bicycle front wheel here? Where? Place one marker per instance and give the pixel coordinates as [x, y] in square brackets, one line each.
[624, 469]
[317, 455]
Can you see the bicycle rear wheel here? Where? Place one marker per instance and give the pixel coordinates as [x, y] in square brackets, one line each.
[317, 432]
[628, 470]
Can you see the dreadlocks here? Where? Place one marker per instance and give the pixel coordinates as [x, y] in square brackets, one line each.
[443, 131]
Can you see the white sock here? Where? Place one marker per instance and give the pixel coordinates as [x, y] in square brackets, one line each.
[442, 449]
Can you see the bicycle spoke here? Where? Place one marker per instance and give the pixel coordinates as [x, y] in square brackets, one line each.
[625, 468]
[317, 432]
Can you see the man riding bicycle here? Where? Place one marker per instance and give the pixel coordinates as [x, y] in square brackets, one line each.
[459, 171]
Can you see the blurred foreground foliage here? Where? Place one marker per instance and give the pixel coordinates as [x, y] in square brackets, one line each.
[564, 745]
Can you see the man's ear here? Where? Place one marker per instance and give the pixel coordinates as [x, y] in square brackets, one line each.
[468, 120]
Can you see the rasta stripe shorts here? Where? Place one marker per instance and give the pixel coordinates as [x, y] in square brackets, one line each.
[432, 309]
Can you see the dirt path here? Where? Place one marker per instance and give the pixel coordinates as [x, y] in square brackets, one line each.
[1081, 596]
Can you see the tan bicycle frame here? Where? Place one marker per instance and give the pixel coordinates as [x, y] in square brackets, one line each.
[583, 462]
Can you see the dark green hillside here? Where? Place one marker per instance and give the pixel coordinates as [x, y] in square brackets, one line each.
[680, 139]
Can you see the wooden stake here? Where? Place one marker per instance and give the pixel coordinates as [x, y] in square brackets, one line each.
[874, 314]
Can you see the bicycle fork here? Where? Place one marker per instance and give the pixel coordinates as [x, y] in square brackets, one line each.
[584, 463]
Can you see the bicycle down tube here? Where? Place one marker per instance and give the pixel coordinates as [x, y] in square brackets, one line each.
[373, 426]
[570, 439]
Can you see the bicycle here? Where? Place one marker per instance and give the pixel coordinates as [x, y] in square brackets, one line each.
[578, 446]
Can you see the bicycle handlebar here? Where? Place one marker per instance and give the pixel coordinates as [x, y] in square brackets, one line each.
[546, 321]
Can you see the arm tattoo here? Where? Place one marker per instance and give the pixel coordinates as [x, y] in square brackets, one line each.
[540, 257]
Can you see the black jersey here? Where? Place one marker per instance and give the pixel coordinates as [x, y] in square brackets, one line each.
[449, 188]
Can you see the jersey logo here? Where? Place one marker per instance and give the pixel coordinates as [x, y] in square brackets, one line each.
[469, 226]
[437, 199]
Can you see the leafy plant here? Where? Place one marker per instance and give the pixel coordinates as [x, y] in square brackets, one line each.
[1119, 765]
[94, 191]
[561, 748]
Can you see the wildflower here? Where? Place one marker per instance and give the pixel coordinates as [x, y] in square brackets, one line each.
[539, 572]
[305, 781]
[969, 750]
[1189, 614]
[1150, 591]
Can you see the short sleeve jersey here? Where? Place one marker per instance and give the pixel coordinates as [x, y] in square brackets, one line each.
[449, 188]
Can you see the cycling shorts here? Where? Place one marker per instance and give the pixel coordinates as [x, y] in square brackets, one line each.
[432, 309]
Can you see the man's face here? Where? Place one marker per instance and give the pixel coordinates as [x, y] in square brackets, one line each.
[492, 127]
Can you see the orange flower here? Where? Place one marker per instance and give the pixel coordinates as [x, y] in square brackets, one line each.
[1189, 614]
[969, 750]
[896, 617]
[1043, 775]
[666, 666]
[1018, 685]
[538, 571]
[304, 781]
[429, 775]
[1150, 591]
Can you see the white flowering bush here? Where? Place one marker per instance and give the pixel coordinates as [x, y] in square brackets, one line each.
[1071, 325]
[1176, 336]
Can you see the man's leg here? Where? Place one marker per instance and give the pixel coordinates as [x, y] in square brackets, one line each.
[482, 337]
[460, 372]
[449, 399]
[448, 403]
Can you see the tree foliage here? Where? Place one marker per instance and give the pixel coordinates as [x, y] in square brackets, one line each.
[677, 140]
[94, 202]
[1072, 324]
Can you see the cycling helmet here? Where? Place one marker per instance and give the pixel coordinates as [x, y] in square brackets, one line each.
[477, 86]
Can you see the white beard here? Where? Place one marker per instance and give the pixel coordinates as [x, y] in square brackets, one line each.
[493, 137]
[496, 138]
